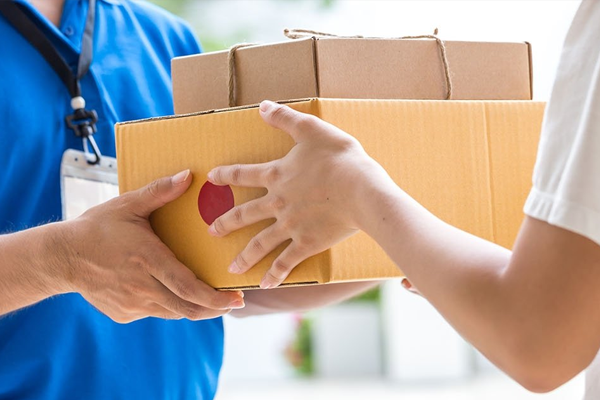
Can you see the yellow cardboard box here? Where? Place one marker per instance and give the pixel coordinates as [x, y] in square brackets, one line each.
[468, 162]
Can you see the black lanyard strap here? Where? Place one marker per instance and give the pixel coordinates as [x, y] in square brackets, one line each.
[87, 41]
[82, 121]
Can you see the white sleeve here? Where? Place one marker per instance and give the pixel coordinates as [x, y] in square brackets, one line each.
[566, 179]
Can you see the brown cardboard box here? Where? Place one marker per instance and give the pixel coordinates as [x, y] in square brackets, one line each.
[468, 162]
[353, 69]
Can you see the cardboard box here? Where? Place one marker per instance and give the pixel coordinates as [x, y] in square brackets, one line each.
[468, 162]
[353, 69]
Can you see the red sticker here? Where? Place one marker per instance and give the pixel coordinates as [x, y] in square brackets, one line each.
[214, 201]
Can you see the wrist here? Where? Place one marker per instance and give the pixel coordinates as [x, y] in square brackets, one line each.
[374, 193]
[60, 256]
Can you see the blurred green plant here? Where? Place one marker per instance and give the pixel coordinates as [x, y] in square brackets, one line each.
[323, 3]
[211, 43]
[370, 296]
[176, 7]
[208, 40]
[327, 3]
[299, 352]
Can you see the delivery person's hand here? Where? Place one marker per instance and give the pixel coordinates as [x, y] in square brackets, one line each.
[117, 263]
[312, 193]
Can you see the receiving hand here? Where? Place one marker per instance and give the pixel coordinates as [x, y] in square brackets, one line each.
[311, 193]
[117, 263]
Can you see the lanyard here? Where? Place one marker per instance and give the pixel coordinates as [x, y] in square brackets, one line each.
[81, 121]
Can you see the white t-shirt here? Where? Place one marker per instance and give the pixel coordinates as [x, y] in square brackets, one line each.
[566, 179]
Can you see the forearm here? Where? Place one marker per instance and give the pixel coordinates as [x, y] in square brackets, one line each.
[299, 298]
[463, 276]
[30, 268]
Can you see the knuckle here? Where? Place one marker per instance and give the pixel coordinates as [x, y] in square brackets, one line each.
[349, 143]
[238, 215]
[172, 303]
[305, 242]
[236, 174]
[219, 226]
[152, 189]
[193, 313]
[138, 262]
[241, 261]
[184, 290]
[256, 245]
[277, 203]
[273, 174]
[287, 224]
[170, 276]
[279, 269]
[273, 277]
[279, 113]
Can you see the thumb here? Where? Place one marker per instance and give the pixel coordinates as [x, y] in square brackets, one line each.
[160, 192]
[298, 125]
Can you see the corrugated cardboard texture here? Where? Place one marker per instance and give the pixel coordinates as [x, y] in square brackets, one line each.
[468, 162]
[353, 68]
[412, 69]
[510, 164]
[200, 84]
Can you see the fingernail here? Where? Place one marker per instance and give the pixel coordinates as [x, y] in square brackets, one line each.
[240, 293]
[266, 105]
[211, 175]
[265, 284]
[234, 268]
[405, 284]
[212, 231]
[180, 177]
[237, 304]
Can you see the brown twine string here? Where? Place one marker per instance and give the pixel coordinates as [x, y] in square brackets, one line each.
[231, 77]
[304, 33]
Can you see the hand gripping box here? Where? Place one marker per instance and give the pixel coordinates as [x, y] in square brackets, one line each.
[469, 162]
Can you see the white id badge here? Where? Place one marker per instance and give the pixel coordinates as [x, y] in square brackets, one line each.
[84, 186]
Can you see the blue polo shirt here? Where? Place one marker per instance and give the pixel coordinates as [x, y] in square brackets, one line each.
[62, 348]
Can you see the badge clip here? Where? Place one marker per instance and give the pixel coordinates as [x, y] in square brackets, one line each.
[83, 123]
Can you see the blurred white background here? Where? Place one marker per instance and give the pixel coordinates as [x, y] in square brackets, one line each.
[393, 345]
